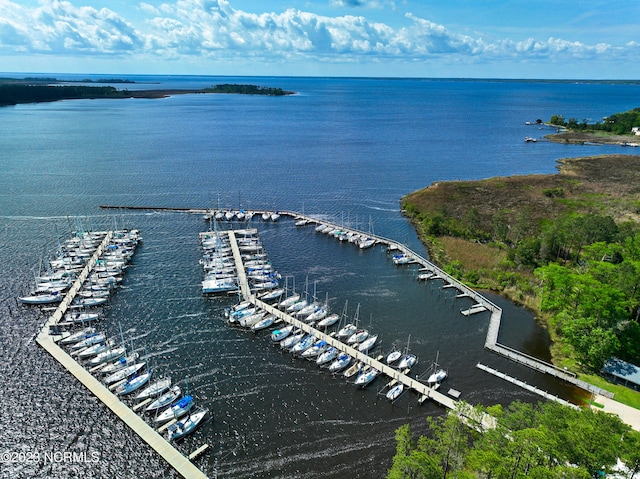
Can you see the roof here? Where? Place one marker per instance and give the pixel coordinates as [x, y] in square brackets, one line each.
[623, 370]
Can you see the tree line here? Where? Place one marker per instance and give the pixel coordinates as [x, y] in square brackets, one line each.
[246, 89]
[618, 123]
[13, 94]
[540, 441]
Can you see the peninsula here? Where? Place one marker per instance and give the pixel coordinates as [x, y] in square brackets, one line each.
[16, 91]
[565, 245]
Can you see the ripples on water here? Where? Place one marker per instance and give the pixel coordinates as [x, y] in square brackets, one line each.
[344, 149]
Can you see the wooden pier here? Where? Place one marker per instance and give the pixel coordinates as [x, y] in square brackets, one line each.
[170, 454]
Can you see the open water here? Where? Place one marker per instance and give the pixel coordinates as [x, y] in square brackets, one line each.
[346, 149]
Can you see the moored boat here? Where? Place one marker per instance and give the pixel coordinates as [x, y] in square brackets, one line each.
[395, 392]
[177, 410]
[185, 427]
[164, 400]
[133, 384]
[282, 333]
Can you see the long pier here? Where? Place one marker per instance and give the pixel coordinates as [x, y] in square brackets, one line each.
[481, 303]
[422, 389]
[170, 454]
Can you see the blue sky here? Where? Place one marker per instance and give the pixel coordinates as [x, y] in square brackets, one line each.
[584, 39]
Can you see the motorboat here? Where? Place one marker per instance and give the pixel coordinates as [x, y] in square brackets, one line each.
[177, 410]
[395, 392]
[401, 259]
[133, 384]
[164, 400]
[280, 334]
[367, 344]
[157, 387]
[223, 285]
[340, 363]
[185, 427]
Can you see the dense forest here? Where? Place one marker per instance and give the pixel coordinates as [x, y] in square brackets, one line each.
[566, 245]
[543, 441]
[618, 123]
[246, 89]
[13, 94]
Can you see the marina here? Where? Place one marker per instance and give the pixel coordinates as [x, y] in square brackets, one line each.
[48, 339]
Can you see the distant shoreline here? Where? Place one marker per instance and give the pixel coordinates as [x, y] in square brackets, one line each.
[28, 90]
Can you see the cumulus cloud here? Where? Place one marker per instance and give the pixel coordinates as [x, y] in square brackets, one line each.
[213, 28]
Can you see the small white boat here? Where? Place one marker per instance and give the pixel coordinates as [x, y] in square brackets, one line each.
[317, 315]
[78, 336]
[238, 307]
[90, 340]
[223, 285]
[340, 363]
[177, 410]
[264, 323]
[366, 243]
[158, 387]
[292, 340]
[271, 295]
[393, 356]
[164, 400]
[107, 355]
[119, 364]
[187, 426]
[328, 321]
[44, 298]
[318, 348]
[249, 321]
[125, 372]
[92, 350]
[266, 216]
[401, 259]
[304, 344]
[353, 370]
[81, 317]
[367, 344]
[408, 361]
[282, 333]
[395, 392]
[295, 307]
[275, 216]
[329, 355]
[437, 377]
[347, 331]
[357, 337]
[133, 384]
[289, 301]
[366, 376]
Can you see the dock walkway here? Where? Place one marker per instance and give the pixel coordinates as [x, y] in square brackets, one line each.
[170, 454]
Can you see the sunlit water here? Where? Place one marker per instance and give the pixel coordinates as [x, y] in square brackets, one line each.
[344, 149]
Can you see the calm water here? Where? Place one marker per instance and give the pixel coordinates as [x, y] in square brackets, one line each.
[347, 149]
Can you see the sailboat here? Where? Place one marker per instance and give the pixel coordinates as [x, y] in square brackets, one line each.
[438, 375]
[164, 400]
[408, 360]
[178, 409]
[348, 329]
[187, 426]
[395, 392]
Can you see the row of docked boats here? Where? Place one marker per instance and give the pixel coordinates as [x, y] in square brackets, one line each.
[358, 238]
[71, 258]
[121, 370]
[240, 215]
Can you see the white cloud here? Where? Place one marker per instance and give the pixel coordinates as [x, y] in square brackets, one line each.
[210, 28]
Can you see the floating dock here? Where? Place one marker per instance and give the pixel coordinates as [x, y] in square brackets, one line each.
[170, 454]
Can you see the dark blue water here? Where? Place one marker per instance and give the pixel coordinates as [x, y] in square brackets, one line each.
[347, 149]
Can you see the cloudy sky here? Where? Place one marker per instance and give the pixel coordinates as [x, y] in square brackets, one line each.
[589, 39]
